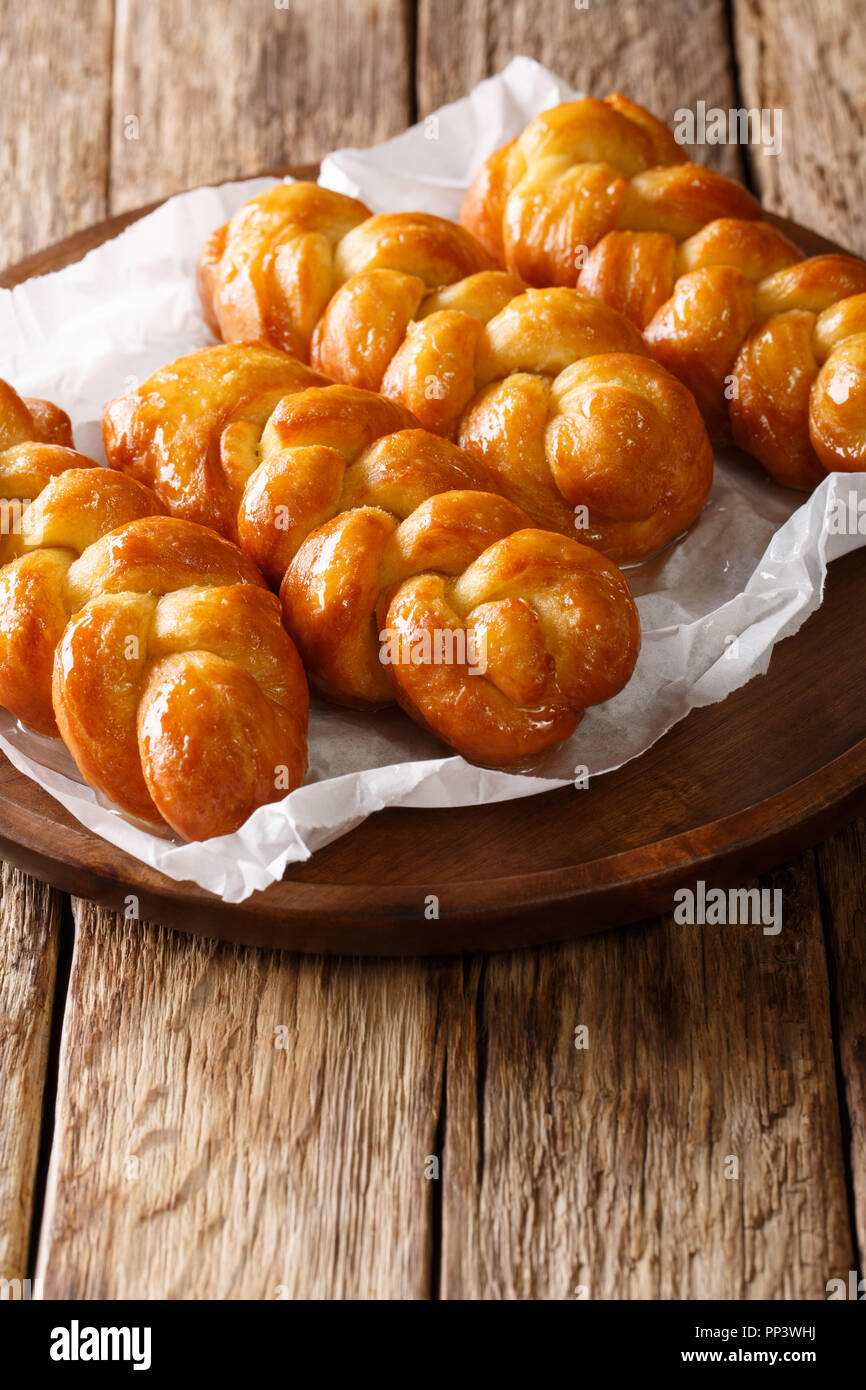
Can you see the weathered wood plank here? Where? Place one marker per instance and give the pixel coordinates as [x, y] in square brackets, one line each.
[237, 1124]
[29, 935]
[55, 69]
[604, 1168]
[55, 75]
[808, 59]
[667, 55]
[241, 87]
[601, 1172]
[193, 1157]
[841, 863]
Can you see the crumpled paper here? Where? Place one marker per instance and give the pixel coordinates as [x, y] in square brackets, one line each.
[712, 606]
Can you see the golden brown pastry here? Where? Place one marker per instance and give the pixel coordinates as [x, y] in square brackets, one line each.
[35, 446]
[549, 390]
[191, 430]
[598, 194]
[154, 648]
[493, 635]
[583, 169]
[25, 421]
[772, 346]
[267, 468]
[554, 408]
[330, 449]
[333, 474]
[268, 274]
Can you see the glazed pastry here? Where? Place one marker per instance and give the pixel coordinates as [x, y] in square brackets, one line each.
[598, 194]
[154, 648]
[275, 468]
[347, 498]
[607, 448]
[35, 445]
[550, 391]
[25, 421]
[772, 346]
[583, 169]
[493, 635]
[190, 431]
[330, 449]
[268, 274]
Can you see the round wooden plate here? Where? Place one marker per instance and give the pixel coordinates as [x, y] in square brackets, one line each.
[730, 791]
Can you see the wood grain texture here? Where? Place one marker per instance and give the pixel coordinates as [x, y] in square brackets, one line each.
[840, 871]
[258, 1170]
[29, 934]
[601, 1172]
[196, 1157]
[55, 76]
[223, 91]
[664, 55]
[807, 58]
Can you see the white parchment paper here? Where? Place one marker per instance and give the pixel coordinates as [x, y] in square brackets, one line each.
[712, 606]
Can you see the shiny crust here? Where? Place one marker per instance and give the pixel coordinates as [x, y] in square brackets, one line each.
[597, 194]
[289, 457]
[481, 362]
[415, 311]
[585, 169]
[615, 453]
[23, 420]
[191, 431]
[268, 275]
[334, 449]
[493, 635]
[152, 646]
[770, 345]
[35, 446]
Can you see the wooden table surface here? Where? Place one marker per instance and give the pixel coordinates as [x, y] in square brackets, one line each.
[179, 1119]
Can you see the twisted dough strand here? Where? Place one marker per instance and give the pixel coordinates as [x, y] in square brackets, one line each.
[581, 170]
[35, 445]
[771, 345]
[550, 391]
[493, 635]
[191, 431]
[154, 649]
[597, 194]
[278, 462]
[268, 274]
[350, 501]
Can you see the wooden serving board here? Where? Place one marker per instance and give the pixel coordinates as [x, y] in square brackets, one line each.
[732, 790]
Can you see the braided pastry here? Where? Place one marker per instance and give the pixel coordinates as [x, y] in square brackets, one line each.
[280, 463]
[152, 646]
[771, 345]
[553, 393]
[609, 447]
[268, 274]
[584, 169]
[190, 431]
[35, 445]
[24, 421]
[494, 636]
[332, 475]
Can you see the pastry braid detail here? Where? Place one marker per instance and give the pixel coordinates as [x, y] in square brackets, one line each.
[771, 345]
[153, 647]
[268, 274]
[493, 635]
